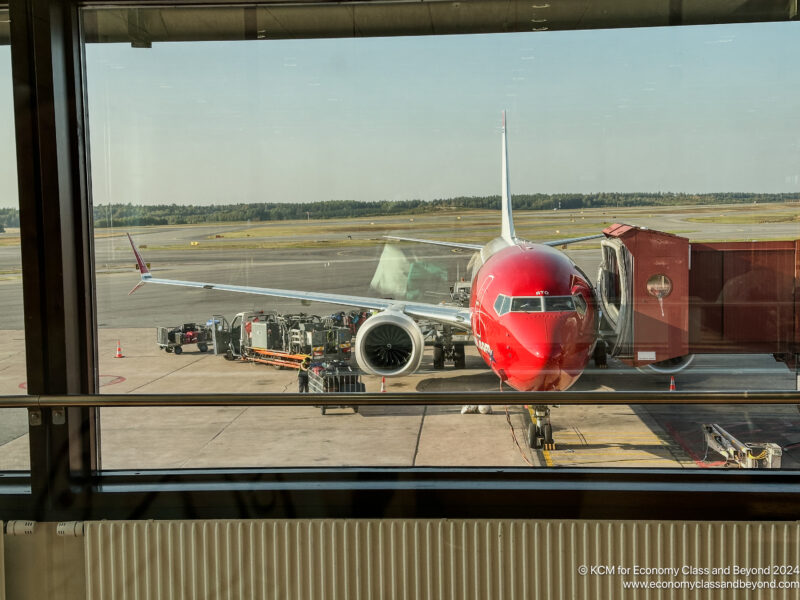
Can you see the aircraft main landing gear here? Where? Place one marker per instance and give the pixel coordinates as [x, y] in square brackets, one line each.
[540, 431]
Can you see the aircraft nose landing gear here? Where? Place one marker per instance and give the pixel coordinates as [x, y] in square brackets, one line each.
[540, 431]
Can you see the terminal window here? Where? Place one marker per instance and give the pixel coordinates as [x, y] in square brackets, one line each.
[279, 194]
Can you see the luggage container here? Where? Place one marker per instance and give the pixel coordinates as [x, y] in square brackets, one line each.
[172, 339]
[335, 377]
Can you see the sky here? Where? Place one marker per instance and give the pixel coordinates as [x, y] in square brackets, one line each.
[681, 109]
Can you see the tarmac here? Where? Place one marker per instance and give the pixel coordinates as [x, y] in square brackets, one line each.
[661, 436]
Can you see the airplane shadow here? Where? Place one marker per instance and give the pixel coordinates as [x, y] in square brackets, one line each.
[390, 411]
[473, 382]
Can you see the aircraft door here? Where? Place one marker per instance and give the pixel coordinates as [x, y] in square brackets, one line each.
[615, 296]
[220, 333]
[235, 343]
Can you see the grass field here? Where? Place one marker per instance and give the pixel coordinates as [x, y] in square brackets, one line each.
[476, 227]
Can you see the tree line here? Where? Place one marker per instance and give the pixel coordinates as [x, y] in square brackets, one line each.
[173, 214]
[126, 215]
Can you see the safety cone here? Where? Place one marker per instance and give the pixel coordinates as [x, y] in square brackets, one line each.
[383, 385]
[671, 383]
[119, 351]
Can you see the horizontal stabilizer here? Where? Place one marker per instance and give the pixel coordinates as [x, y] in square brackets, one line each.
[574, 240]
[475, 247]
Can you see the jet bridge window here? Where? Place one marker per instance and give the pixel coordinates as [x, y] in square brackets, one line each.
[532, 304]
[558, 303]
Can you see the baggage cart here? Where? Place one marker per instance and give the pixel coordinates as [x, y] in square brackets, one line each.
[335, 377]
[172, 339]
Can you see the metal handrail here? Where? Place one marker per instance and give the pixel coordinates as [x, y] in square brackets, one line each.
[402, 399]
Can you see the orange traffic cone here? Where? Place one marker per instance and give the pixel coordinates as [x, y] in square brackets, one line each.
[671, 383]
[119, 351]
[383, 385]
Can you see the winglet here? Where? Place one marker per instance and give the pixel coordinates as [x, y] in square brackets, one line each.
[507, 227]
[140, 264]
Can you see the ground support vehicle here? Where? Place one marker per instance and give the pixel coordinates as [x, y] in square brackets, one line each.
[334, 376]
[257, 336]
[762, 455]
[172, 339]
[352, 320]
[280, 340]
[460, 292]
[321, 339]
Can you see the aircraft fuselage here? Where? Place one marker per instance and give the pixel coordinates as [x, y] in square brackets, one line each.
[534, 317]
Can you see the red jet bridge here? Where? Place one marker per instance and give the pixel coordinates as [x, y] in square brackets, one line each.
[665, 300]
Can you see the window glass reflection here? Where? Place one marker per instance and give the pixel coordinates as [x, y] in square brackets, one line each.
[281, 195]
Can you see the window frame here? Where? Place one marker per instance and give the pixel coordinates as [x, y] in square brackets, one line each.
[66, 481]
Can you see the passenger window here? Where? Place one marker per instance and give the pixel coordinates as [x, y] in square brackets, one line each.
[533, 304]
[558, 303]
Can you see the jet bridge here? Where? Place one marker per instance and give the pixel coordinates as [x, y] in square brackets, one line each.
[664, 299]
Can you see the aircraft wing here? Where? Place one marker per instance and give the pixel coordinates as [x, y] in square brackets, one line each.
[453, 315]
[475, 247]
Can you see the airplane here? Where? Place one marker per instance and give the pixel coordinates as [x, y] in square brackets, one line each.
[532, 312]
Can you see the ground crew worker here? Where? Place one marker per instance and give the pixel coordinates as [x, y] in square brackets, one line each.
[302, 376]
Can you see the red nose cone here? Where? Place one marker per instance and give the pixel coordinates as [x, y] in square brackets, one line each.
[541, 368]
[533, 317]
[547, 353]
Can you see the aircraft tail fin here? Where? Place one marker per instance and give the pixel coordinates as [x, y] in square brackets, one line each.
[144, 270]
[507, 227]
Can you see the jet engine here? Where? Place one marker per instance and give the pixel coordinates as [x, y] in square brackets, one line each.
[671, 365]
[390, 344]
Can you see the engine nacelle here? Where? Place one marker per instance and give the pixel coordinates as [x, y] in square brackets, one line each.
[389, 344]
[671, 365]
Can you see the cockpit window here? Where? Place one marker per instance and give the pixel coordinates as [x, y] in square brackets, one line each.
[502, 304]
[498, 304]
[533, 304]
[580, 304]
[558, 303]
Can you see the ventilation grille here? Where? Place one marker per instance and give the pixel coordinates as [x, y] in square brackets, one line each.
[433, 559]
